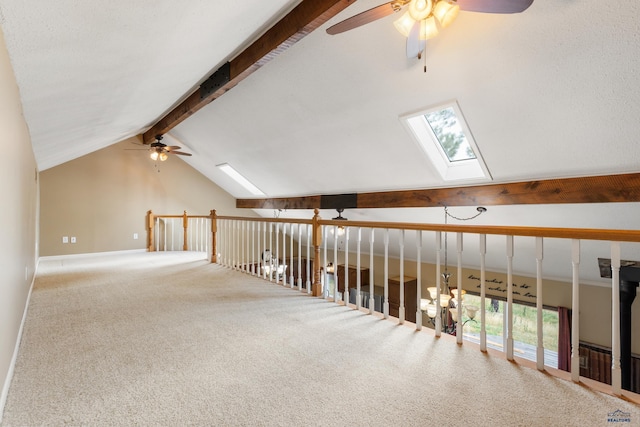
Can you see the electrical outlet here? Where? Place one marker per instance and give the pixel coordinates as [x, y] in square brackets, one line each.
[135, 236]
[73, 239]
[65, 239]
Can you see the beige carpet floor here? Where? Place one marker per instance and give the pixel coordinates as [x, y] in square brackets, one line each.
[166, 339]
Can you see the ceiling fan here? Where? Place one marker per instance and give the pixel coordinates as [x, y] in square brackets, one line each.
[423, 18]
[161, 151]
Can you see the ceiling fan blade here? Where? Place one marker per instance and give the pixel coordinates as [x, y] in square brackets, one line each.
[180, 153]
[365, 17]
[172, 147]
[494, 6]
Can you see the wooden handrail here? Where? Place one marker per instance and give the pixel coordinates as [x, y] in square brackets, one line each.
[552, 232]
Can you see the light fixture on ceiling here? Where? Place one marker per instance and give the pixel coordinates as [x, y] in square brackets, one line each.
[340, 218]
[240, 179]
[449, 298]
[430, 14]
[158, 154]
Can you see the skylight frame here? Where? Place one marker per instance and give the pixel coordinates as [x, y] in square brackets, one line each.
[457, 170]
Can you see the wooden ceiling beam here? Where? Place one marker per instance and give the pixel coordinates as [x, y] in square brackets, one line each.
[302, 20]
[593, 189]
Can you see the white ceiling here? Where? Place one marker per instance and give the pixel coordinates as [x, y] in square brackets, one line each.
[552, 92]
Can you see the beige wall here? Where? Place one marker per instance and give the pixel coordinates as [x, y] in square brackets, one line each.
[18, 234]
[102, 198]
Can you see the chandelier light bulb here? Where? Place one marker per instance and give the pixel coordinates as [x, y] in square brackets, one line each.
[420, 9]
[404, 24]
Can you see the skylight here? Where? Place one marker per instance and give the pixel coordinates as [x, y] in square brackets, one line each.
[446, 139]
[240, 179]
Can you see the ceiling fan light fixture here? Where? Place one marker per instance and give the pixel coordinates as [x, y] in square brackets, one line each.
[428, 28]
[404, 24]
[163, 156]
[154, 155]
[420, 9]
[446, 12]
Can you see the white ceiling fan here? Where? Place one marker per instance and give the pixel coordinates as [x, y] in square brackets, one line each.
[423, 19]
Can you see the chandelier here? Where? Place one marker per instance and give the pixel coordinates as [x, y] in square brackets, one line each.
[446, 308]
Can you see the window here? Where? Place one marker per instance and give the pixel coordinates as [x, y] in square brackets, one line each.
[446, 139]
[524, 328]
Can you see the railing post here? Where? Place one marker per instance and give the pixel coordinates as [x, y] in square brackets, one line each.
[317, 241]
[575, 311]
[539, 306]
[150, 222]
[214, 233]
[185, 225]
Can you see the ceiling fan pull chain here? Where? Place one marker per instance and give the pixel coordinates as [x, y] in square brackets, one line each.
[425, 62]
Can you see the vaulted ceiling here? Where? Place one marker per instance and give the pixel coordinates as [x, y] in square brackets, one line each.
[549, 93]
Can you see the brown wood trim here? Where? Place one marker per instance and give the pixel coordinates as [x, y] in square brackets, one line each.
[302, 20]
[593, 189]
[304, 202]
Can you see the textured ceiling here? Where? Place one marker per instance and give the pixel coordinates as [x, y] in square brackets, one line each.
[552, 92]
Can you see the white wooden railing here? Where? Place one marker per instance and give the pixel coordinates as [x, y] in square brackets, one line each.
[295, 246]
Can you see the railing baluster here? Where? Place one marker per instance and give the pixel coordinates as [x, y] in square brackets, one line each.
[253, 248]
[335, 262]
[359, 276]
[539, 305]
[385, 307]
[438, 305]
[460, 308]
[325, 289]
[271, 260]
[299, 284]
[483, 290]
[291, 277]
[346, 267]
[284, 254]
[509, 310]
[575, 311]
[372, 301]
[277, 260]
[418, 279]
[616, 370]
[401, 310]
[308, 283]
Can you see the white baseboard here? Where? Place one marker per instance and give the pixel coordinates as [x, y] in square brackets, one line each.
[14, 358]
